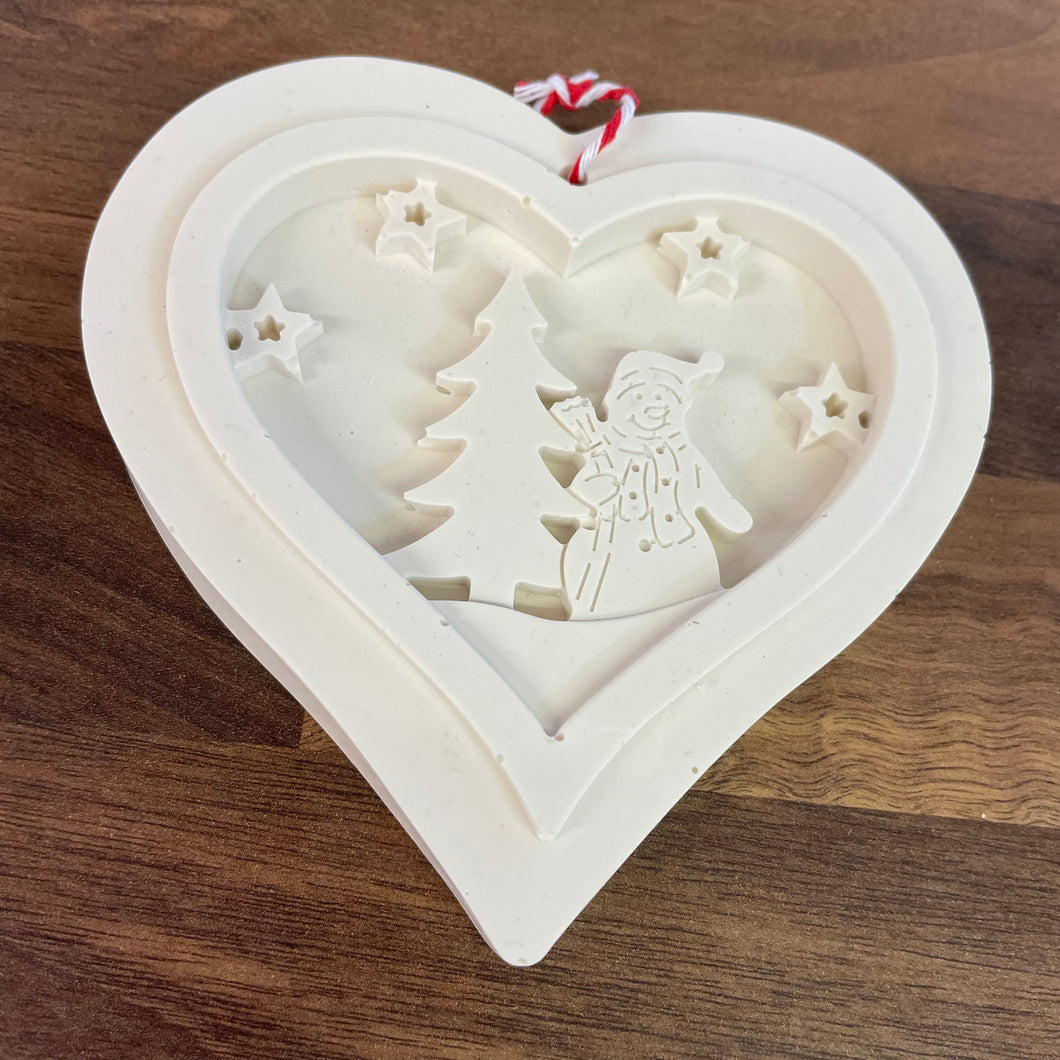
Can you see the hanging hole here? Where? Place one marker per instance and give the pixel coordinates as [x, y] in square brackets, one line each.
[864, 419]
[235, 338]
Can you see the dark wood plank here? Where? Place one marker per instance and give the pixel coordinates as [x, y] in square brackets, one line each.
[950, 702]
[888, 81]
[55, 1010]
[253, 901]
[100, 628]
[1012, 251]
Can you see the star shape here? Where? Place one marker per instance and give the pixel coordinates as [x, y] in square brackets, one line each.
[415, 222]
[269, 335]
[706, 256]
[830, 412]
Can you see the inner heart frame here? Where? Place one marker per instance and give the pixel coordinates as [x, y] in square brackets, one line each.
[524, 821]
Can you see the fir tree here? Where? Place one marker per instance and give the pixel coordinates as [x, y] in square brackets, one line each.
[499, 487]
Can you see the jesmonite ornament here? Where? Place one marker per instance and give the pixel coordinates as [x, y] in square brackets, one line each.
[537, 467]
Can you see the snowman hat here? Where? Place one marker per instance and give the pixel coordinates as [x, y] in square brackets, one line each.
[680, 376]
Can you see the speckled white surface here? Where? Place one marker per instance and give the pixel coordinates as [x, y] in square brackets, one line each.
[277, 512]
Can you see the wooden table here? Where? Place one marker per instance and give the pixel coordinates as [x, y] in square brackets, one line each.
[190, 869]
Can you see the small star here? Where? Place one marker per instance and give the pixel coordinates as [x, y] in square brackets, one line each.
[269, 329]
[706, 256]
[269, 334]
[830, 412]
[415, 222]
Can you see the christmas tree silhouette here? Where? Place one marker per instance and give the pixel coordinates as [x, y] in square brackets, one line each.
[499, 488]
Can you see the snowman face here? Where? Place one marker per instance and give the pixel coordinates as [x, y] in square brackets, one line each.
[649, 401]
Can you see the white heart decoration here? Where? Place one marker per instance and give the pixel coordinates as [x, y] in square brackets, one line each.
[525, 812]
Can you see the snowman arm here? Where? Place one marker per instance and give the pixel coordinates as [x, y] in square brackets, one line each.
[712, 500]
[595, 488]
[577, 416]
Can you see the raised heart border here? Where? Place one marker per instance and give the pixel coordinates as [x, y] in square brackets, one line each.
[570, 228]
[443, 784]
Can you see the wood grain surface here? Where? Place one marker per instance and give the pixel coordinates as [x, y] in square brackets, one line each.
[190, 869]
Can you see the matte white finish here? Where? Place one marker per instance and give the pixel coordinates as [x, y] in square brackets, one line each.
[432, 707]
[415, 222]
[571, 230]
[706, 257]
[831, 411]
[268, 335]
[498, 488]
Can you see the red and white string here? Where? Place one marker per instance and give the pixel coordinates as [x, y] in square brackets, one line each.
[574, 93]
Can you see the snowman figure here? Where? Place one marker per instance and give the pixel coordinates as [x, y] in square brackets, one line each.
[652, 493]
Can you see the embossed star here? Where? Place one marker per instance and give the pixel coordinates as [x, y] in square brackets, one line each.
[830, 412]
[269, 335]
[706, 256]
[415, 222]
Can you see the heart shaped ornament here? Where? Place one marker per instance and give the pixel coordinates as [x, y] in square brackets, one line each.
[535, 496]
